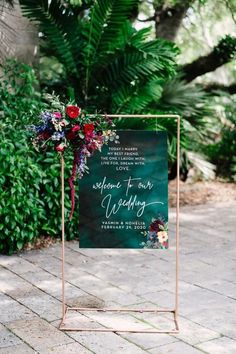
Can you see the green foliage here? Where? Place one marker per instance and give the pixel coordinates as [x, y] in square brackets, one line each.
[109, 66]
[223, 151]
[29, 183]
[107, 63]
[226, 48]
[18, 94]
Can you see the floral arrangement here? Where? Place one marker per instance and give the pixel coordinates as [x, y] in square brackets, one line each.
[69, 128]
[157, 235]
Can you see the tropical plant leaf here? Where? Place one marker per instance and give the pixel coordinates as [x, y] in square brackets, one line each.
[201, 164]
[38, 11]
[128, 99]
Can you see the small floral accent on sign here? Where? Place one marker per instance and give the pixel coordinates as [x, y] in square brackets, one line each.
[157, 235]
[69, 128]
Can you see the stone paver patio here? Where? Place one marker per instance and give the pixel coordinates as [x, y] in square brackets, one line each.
[30, 297]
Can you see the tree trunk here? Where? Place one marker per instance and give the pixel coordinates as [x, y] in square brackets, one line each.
[169, 19]
[222, 53]
[231, 89]
[19, 37]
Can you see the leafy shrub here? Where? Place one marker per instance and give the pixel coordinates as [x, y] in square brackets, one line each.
[222, 151]
[29, 182]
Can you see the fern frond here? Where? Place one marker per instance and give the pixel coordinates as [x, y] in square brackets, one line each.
[139, 37]
[135, 99]
[107, 19]
[71, 26]
[115, 31]
[107, 30]
[38, 11]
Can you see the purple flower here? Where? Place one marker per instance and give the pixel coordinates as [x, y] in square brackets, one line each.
[46, 116]
[58, 135]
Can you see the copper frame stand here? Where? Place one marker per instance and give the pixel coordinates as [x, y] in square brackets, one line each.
[175, 311]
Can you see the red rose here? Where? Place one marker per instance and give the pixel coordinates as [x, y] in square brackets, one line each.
[75, 129]
[44, 136]
[88, 128]
[73, 111]
[70, 135]
[60, 148]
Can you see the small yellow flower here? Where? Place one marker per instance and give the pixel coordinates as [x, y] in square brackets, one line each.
[107, 133]
[162, 236]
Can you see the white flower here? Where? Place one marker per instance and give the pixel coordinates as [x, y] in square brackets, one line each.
[162, 236]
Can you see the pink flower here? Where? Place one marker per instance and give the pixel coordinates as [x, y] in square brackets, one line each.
[57, 114]
[60, 148]
[75, 129]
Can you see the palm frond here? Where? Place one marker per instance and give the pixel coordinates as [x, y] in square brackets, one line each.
[188, 99]
[106, 30]
[138, 37]
[107, 20]
[117, 26]
[71, 26]
[135, 99]
[138, 64]
[199, 161]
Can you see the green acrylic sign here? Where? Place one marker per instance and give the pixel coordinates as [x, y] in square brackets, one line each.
[124, 198]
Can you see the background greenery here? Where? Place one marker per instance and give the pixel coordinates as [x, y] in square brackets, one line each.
[123, 56]
[30, 182]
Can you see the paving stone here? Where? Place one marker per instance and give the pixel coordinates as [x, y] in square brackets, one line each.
[162, 299]
[148, 340]
[10, 281]
[201, 300]
[24, 290]
[11, 310]
[119, 321]
[77, 259]
[220, 318]
[43, 280]
[220, 286]
[121, 297]
[75, 320]
[44, 305]
[161, 321]
[39, 334]
[20, 265]
[85, 301]
[222, 345]
[7, 338]
[51, 284]
[109, 343]
[50, 264]
[127, 278]
[103, 290]
[19, 349]
[72, 348]
[5, 260]
[193, 333]
[53, 250]
[175, 348]
[139, 282]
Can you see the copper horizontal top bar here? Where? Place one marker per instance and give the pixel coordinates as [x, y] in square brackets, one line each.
[138, 115]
